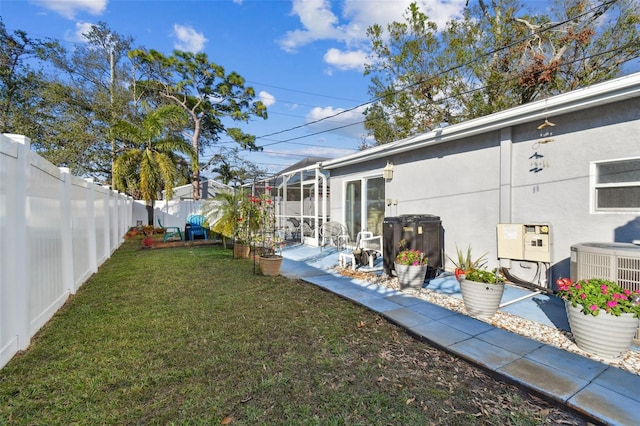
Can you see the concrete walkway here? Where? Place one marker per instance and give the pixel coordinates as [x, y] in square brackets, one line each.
[605, 394]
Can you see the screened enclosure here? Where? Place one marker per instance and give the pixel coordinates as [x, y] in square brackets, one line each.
[301, 198]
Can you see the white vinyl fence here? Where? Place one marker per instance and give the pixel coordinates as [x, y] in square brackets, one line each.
[170, 212]
[55, 230]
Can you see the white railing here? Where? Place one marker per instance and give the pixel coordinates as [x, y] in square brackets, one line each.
[55, 230]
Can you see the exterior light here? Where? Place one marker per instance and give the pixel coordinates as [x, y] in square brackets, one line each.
[387, 172]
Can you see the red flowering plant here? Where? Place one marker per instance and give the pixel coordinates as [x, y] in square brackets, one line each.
[245, 216]
[595, 295]
[263, 210]
[410, 257]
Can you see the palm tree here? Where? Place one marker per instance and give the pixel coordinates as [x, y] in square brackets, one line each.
[150, 163]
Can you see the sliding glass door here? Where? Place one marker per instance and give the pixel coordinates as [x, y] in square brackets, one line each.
[367, 204]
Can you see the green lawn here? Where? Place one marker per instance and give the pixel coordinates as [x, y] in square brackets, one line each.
[192, 336]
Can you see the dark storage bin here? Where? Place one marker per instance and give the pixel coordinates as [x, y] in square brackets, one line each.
[421, 232]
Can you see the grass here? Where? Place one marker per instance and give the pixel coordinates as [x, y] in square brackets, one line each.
[192, 336]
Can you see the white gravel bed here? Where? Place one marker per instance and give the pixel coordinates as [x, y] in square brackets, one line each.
[527, 328]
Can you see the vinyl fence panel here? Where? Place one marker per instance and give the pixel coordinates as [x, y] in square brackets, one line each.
[56, 230]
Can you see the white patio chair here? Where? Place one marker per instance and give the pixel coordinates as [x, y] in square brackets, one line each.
[334, 233]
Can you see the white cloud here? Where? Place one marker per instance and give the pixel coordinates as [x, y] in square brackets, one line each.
[188, 39]
[348, 26]
[69, 8]
[77, 36]
[352, 60]
[318, 23]
[337, 120]
[267, 98]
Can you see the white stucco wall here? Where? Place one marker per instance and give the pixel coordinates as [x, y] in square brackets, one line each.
[476, 182]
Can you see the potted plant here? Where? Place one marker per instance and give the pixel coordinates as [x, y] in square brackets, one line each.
[603, 317]
[411, 267]
[266, 240]
[481, 289]
[147, 241]
[465, 262]
[231, 216]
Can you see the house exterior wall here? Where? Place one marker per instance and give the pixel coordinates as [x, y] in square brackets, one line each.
[473, 183]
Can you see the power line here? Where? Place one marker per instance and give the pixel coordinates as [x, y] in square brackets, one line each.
[423, 81]
[302, 92]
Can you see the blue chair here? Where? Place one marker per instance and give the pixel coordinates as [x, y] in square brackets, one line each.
[170, 232]
[195, 227]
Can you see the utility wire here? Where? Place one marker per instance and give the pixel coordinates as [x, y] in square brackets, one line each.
[423, 81]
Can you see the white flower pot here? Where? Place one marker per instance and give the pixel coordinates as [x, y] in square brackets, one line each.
[410, 276]
[480, 299]
[604, 335]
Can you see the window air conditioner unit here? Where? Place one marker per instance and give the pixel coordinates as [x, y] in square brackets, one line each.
[618, 262]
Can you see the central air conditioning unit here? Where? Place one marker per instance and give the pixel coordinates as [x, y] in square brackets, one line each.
[618, 262]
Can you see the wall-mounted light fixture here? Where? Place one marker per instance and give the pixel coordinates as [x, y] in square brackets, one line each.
[387, 172]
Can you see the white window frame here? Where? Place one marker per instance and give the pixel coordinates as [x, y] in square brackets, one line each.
[364, 200]
[595, 186]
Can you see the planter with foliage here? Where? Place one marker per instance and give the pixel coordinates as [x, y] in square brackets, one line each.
[482, 292]
[481, 289]
[603, 317]
[147, 241]
[266, 241]
[232, 217]
[411, 267]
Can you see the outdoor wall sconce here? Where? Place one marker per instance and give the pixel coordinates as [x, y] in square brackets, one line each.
[387, 172]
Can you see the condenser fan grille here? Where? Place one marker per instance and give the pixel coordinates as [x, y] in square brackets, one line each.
[617, 262]
[629, 273]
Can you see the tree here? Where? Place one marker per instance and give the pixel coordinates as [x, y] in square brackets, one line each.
[205, 92]
[149, 164]
[494, 57]
[232, 169]
[21, 86]
[222, 213]
[83, 101]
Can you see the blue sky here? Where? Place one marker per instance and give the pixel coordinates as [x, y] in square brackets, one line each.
[304, 57]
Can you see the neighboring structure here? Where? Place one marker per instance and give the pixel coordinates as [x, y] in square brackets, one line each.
[209, 188]
[570, 162]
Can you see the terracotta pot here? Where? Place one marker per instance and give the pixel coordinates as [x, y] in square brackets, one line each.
[410, 276]
[241, 251]
[481, 299]
[270, 265]
[605, 335]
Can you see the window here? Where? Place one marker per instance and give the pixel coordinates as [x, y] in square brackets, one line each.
[617, 185]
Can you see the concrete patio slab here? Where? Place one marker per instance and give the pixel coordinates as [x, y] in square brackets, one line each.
[483, 354]
[607, 406]
[551, 382]
[578, 366]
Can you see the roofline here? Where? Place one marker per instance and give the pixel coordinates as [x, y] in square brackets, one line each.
[598, 94]
[218, 183]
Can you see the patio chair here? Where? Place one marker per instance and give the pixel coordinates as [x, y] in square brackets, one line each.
[300, 229]
[334, 233]
[368, 247]
[367, 241]
[296, 230]
[170, 232]
[195, 227]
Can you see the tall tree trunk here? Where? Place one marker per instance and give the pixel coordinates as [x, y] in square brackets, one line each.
[150, 213]
[196, 160]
